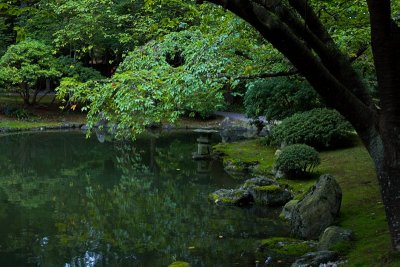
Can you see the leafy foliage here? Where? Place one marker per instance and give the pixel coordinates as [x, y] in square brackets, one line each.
[73, 68]
[278, 98]
[25, 64]
[297, 160]
[318, 128]
[185, 72]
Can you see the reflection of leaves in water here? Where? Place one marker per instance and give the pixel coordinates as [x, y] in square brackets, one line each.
[175, 157]
[29, 191]
[108, 200]
[129, 160]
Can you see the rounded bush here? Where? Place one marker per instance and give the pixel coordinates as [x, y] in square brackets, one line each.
[297, 160]
[320, 128]
[278, 98]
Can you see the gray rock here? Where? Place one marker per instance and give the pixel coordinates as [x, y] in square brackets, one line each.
[287, 210]
[314, 259]
[238, 125]
[271, 195]
[335, 238]
[234, 130]
[318, 209]
[239, 167]
[258, 181]
[238, 197]
[267, 191]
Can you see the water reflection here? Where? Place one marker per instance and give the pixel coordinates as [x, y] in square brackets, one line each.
[69, 201]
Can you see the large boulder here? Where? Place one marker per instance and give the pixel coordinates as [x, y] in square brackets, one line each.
[315, 259]
[335, 238]
[238, 197]
[318, 209]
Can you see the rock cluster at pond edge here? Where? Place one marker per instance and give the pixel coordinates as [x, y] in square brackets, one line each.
[261, 191]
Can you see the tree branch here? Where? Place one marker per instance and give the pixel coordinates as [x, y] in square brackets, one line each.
[328, 85]
[359, 52]
[319, 40]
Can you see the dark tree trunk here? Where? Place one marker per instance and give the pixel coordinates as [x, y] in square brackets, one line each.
[385, 39]
[25, 94]
[314, 54]
[389, 180]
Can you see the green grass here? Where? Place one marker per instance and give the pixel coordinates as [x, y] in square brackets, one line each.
[17, 124]
[362, 209]
[248, 152]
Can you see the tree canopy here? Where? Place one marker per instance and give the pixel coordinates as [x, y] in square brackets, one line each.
[165, 58]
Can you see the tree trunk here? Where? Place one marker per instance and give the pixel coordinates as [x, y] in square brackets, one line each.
[389, 180]
[314, 54]
[25, 94]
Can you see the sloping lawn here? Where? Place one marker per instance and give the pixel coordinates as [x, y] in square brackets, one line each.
[362, 209]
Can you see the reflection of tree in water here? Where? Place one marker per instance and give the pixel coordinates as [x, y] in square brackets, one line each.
[120, 203]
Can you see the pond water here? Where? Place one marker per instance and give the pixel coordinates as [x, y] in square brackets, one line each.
[70, 201]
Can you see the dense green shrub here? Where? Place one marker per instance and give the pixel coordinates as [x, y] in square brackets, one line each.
[297, 160]
[24, 65]
[278, 98]
[70, 67]
[320, 128]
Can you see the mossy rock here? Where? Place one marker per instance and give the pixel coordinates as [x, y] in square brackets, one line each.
[238, 197]
[287, 209]
[238, 166]
[179, 264]
[287, 246]
[258, 182]
[271, 195]
[318, 209]
[336, 239]
[268, 188]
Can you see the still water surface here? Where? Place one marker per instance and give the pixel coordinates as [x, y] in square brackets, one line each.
[69, 201]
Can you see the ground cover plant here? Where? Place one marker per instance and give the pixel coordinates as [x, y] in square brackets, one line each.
[362, 208]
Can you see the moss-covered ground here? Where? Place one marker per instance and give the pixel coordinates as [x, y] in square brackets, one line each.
[362, 209]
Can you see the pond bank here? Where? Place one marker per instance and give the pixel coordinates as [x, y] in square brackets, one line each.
[61, 121]
[362, 210]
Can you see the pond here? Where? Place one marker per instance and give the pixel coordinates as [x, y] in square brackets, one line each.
[70, 201]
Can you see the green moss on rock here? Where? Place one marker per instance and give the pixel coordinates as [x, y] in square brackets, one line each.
[238, 197]
[268, 188]
[179, 264]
